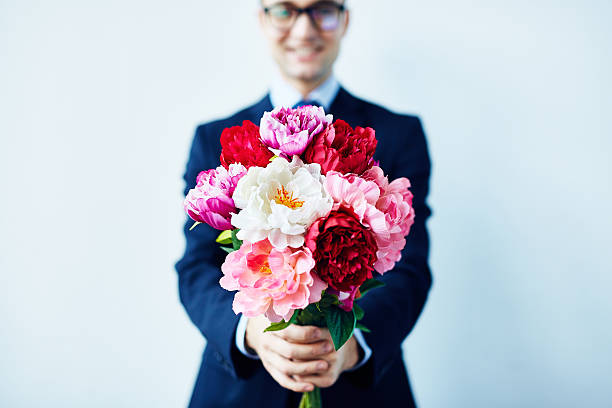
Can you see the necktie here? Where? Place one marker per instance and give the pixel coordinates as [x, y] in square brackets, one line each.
[306, 102]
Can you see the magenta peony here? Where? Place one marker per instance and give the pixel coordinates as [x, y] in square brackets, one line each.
[271, 281]
[346, 298]
[289, 131]
[211, 200]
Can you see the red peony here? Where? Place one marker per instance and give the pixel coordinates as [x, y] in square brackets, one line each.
[343, 149]
[241, 144]
[343, 249]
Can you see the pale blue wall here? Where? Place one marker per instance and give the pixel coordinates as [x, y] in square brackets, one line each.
[98, 107]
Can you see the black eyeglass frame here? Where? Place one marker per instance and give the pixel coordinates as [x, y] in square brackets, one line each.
[308, 10]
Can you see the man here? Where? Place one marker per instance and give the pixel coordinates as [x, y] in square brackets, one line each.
[242, 365]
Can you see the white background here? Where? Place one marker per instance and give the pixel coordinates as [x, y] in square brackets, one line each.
[98, 103]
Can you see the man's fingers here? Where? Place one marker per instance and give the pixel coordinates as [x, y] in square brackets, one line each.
[303, 334]
[299, 351]
[287, 382]
[321, 381]
[297, 367]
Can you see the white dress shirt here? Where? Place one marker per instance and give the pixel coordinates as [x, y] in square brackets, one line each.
[283, 94]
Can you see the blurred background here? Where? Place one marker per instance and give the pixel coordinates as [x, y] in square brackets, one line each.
[98, 104]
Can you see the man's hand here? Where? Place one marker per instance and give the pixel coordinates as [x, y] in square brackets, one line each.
[300, 357]
[339, 361]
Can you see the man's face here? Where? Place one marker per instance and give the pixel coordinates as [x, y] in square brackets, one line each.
[304, 52]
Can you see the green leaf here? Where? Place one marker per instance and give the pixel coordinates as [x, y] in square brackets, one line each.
[225, 237]
[194, 225]
[311, 316]
[236, 243]
[327, 299]
[282, 324]
[369, 285]
[229, 250]
[340, 324]
[277, 326]
[294, 318]
[358, 311]
[362, 327]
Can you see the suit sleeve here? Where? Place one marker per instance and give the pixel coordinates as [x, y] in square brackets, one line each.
[392, 311]
[208, 305]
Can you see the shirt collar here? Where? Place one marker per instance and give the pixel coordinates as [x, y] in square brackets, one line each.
[283, 94]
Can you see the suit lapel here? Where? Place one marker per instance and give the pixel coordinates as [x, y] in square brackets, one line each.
[348, 108]
[256, 111]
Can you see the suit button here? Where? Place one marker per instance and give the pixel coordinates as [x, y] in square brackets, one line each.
[218, 356]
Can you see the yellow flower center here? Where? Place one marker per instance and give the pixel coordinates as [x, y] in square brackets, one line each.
[265, 269]
[286, 198]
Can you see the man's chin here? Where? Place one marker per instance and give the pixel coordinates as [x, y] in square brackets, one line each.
[307, 76]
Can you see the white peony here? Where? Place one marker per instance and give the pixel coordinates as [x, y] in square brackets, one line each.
[280, 202]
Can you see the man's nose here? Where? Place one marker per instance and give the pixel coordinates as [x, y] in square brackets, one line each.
[304, 27]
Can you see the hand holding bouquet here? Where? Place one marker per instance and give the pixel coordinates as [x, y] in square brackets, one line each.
[307, 217]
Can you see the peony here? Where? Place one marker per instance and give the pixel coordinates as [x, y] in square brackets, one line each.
[241, 144]
[280, 202]
[343, 149]
[359, 196]
[289, 131]
[211, 199]
[395, 200]
[270, 280]
[396, 203]
[381, 211]
[344, 250]
[346, 298]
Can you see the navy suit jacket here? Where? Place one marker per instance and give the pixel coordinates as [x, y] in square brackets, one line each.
[229, 379]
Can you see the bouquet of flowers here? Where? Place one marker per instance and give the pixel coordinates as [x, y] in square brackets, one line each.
[307, 217]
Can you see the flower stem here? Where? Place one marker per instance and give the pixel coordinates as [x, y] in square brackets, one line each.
[311, 399]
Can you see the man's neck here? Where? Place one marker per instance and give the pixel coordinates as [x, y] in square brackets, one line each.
[283, 93]
[305, 87]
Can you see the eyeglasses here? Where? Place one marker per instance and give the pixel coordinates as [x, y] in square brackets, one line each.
[325, 15]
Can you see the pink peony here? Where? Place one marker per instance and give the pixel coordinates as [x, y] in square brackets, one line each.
[396, 203]
[289, 131]
[211, 200]
[385, 208]
[359, 196]
[271, 281]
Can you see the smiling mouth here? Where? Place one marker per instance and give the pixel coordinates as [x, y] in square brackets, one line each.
[305, 53]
